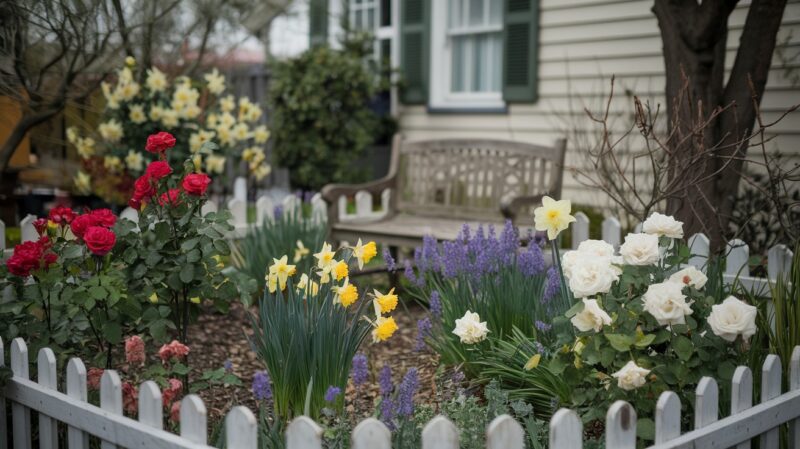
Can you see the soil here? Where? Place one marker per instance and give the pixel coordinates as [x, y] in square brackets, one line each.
[216, 338]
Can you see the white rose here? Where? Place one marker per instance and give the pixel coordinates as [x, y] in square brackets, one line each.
[470, 329]
[690, 276]
[663, 225]
[591, 275]
[568, 260]
[640, 249]
[596, 248]
[733, 318]
[631, 376]
[592, 317]
[667, 303]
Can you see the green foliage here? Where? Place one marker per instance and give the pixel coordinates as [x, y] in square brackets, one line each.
[321, 117]
[275, 237]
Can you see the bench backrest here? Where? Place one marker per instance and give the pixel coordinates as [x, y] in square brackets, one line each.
[470, 179]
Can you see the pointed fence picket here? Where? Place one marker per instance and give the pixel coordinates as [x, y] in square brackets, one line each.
[2, 236]
[108, 424]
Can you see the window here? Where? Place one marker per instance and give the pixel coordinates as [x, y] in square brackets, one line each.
[468, 72]
[363, 14]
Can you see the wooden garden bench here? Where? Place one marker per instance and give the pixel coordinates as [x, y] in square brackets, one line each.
[435, 186]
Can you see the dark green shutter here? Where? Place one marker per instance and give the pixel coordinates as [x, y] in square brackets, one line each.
[520, 50]
[414, 49]
[318, 22]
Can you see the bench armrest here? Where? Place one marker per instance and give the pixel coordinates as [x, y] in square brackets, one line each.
[510, 209]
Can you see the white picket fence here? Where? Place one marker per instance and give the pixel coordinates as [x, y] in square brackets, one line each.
[107, 423]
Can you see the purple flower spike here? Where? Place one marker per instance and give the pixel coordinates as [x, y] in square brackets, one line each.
[391, 266]
[405, 394]
[360, 370]
[332, 393]
[385, 381]
[262, 390]
[423, 332]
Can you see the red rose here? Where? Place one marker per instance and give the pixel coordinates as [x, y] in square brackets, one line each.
[196, 183]
[130, 400]
[30, 256]
[93, 377]
[61, 215]
[133, 203]
[80, 224]
[172, 392]
[158, 169]
[40, 224]
[160, 142]
[175, 412]
[99, 240]
[144, 188]
[103, 217]
[172, 198]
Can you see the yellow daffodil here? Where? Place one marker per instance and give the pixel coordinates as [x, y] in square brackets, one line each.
[83, 183]
[325, 258]
[281, 270]
[364, 253]
[262, 171]
[346, 295]
[215, 164]
[111, 131]
[553, 216]
[300, 252]
[153, 298]
[136, 114]
[260, 134]
[227, 104]
[156, 80]
[130, 61]
[384, 328]
[533, 362]
[216, 82]
[134, 160]
[384, 303]
[340, 270]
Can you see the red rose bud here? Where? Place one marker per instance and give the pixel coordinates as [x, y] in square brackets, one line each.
[158, 169]
[160, 142]
[40, 224]
[196, 184]
[99, 240]
[103, 217]
[172, 198]
[61, 215]
[133, 203]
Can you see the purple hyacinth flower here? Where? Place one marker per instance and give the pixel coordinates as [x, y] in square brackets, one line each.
[391, 266]
[360, 370]
[262, 390]
[332, 393]
[385, 381]
[228, 365]
[541, 326]
[277, 212]
[553, 284]
[405, 393]
[423, 331]
[435, 305]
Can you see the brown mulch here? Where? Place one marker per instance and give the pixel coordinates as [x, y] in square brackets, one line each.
[216, 338]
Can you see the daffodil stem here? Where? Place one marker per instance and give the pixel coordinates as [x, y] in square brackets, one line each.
[557, 263]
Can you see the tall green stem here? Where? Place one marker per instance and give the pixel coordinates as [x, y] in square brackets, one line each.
[565, 296]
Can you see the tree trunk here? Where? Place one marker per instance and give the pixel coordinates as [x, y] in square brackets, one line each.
[18, 135]
[694, 36]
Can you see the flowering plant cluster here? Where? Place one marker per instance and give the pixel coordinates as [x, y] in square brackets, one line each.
[195, 111]
[174, 253]
[644, 322]
[69, 292]
[322, 315]
[480, 287]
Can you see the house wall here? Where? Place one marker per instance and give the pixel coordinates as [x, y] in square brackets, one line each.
[582, 44]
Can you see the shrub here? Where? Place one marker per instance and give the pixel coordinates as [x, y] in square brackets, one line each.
[321, 116]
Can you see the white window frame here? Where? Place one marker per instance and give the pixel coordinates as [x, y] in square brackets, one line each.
[441, 94]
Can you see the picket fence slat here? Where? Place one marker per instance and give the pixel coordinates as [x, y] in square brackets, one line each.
[20, 415]
[209, 207]
[621, 426]
[580, 229]
[291, 203]
[3, 424]
[440, 433]
[794, 385]
[2, 246]
[303, 433]
[27, 231]
[699, 249]
[47, 378]
[363, 203]
[566, 430]
[240, 189]
[238, 210]
[668, 417]
[241, 429]
[736, 262]
[371, 434]
[779, 260]
[265, 209]
[319, 209]
[130, 214]
[706, 405]
[504, 432]
[110, 398]
[770, 389]
[742, 395]
[612, 231]
[193, 419]
[151, 410]
[76, 390]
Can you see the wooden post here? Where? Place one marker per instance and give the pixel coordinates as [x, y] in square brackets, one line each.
[371, 434]
[440, 433]
[621, 426]
[770, 389]
[668, 417]
[20, 415]
[76, 389]
[741, 395]
[110, 398]
[566, 430]
[48, 378]
[241, 429]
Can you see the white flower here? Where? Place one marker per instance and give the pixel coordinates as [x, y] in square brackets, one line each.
[136, 114]
[732, 318]
[640, 249]
[663, 225]
[591, 249]
[111, 131]
[631, 376]
[156, 80]
[470, 329]
[215, 164]
[261, 134]
[690, 276]
[592, 317]
[667, 303]
[598, 248]
[216, 82]
[134, 160]
[591, 275]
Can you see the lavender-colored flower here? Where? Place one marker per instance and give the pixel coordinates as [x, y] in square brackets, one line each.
[553, 285]
[457, 377]
[385, 381]
[539, 347]
[409, 273]
[391, 266]
[541, 326]
[435, 304]
[387, 412]
[277, 212]
[332, 393]
[307, 195]
[423, 332]
[509, 242]
[360, 370]
[228, 365]
[531, 262]
[262, 390]
[405, 393]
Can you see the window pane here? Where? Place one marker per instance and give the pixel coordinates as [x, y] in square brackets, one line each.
[478, 63]
[359, 19]
[495, 12]
[371, 18]
[386, 13]
[458, 68]
[454, 18]
[476, 12]
[495, 62]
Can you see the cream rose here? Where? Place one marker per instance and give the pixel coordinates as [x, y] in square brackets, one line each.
[592, 317]
[663, 225]
[640, 249]
[598, 248]
[690, 276]
[591, 275]
[470, 329]
[631, 376]
[733, 318]
[667, 303]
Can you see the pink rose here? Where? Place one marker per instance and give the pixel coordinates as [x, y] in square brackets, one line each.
[134, 350]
